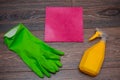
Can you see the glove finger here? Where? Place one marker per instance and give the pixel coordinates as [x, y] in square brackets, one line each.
[53, 50]
[36, 68]
[50, 55]
[54, 65]
[44, 71]
[45, 64]
[58, 52]
[33, 66]
[58, 63]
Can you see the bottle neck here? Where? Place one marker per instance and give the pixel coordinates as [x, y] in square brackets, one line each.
[103, 39]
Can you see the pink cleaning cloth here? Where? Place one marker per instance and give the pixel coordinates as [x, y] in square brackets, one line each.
[64, 24]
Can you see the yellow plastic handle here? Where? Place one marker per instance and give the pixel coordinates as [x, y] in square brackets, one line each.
[97, 34]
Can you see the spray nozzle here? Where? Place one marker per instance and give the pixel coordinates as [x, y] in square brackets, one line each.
[97, 34]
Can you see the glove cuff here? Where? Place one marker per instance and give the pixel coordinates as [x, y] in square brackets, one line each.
[10, 36]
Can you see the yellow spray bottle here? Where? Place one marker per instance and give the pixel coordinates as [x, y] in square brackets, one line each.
[93, 57]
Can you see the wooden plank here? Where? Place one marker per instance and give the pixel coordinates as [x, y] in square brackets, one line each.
[31, 13]
[33, 5]
[9, 61]
[30, 1]
[31, 26]
[106, 74]
[91, 13]
[100, 13]
[96, 13]
[95, 2]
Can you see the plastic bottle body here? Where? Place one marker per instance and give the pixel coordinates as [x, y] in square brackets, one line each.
[93, 58]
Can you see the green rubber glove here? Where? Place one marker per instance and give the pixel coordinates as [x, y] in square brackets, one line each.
[40, 57]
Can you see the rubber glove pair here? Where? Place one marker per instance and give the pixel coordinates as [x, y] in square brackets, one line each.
[40, 57]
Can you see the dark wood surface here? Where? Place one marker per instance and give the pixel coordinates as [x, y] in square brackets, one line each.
[100, 13]
[12, 67]
[97, 13]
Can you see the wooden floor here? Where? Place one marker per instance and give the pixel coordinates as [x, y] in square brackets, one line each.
[97, 13]
[104, 14]
[12, 68]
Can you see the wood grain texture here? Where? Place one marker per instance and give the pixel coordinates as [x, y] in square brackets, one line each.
[12, 67]
[106, 74]
[97, 13]
[31, 12]
[100, 13]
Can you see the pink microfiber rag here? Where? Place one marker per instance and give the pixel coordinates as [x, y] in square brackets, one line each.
[64, 24]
